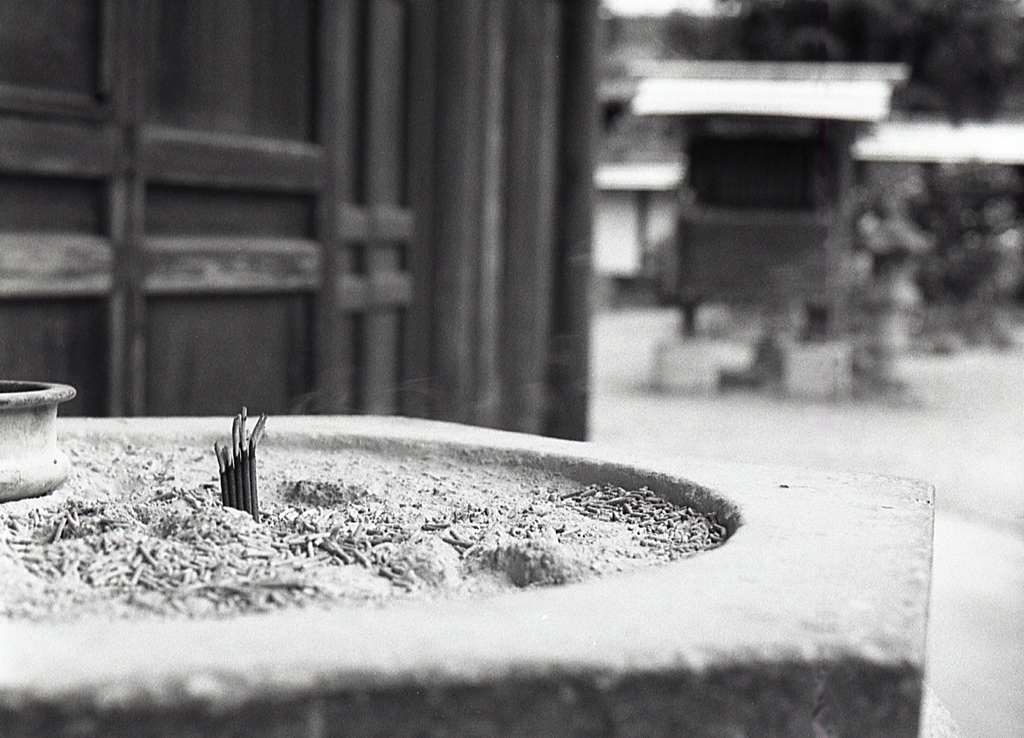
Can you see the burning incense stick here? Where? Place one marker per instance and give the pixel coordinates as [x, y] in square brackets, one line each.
[238, 465]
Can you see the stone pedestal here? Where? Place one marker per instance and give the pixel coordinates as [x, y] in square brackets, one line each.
[810, 619]
[686, 365]
[819, 371]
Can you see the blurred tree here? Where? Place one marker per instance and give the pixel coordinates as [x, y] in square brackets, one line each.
[966, 56]
[972, 211]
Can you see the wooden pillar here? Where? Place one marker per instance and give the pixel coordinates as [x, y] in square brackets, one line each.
[643, 227]
[839, 243]
[132, 25]
[487, 405]
[418, 377]
[383, 188]
[533, 87]
[338, 124]
[461, 26]
[568, 374]
[683, 293]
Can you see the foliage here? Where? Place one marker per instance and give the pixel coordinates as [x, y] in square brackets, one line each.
[971, 211]
[966, 56]
[959, 223]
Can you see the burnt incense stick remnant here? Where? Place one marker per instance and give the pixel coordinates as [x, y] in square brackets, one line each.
[254, 438]
[222, 462]
[237, 465]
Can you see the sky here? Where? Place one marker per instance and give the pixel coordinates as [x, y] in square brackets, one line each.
[657, 7]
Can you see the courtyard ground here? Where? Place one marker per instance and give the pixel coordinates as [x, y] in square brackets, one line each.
[964, 433]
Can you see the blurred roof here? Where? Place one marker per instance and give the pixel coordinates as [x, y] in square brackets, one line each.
[831, 90]
[660, 7]
[940, 141]
[638, 176]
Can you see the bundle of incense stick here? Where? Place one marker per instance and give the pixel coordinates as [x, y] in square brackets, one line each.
[238, 466]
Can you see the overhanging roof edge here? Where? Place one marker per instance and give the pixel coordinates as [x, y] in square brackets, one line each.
[865, 100]
[759, 70]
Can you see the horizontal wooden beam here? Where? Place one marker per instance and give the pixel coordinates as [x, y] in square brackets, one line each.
[36, 265]
[58, 148]
[219, 160]
[362, 292]
[375, 223]
[40, 101]
[211, 265]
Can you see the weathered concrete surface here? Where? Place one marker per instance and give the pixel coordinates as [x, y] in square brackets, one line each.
[976, 626]
[936, 719]
[811, 616]
[30, 462]
[964, 434]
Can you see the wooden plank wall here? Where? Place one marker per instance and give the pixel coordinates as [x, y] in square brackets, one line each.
[376, 206]
[511, 170]
[367, 214]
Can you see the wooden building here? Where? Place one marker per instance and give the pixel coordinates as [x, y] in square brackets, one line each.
[767, 148]
[635, 210]
[368, 206]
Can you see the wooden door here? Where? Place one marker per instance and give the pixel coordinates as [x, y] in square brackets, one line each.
[299, 205]
[204, 203]
[58, 159]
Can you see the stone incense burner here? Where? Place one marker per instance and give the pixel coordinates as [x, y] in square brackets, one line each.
[30, 461]
[808, 620]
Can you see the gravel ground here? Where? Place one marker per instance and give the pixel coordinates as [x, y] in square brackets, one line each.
[963, 432]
